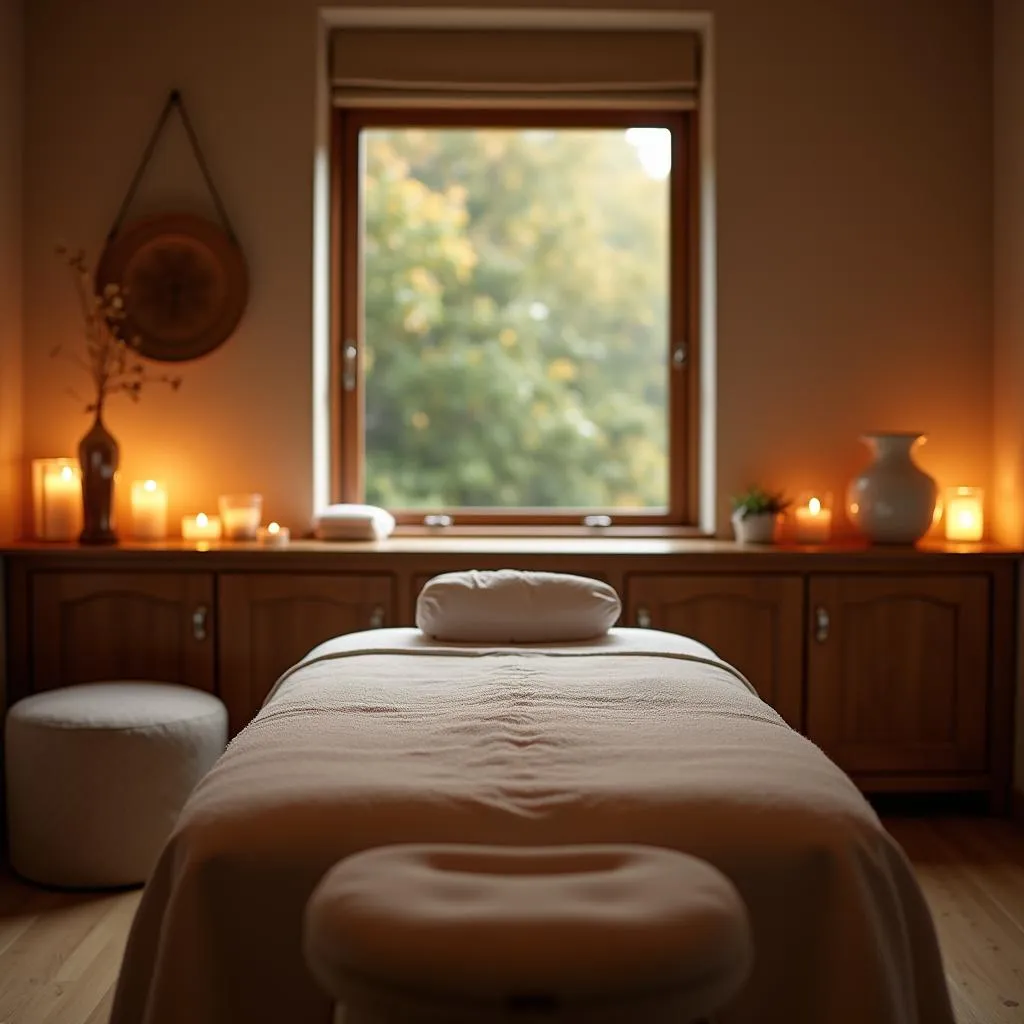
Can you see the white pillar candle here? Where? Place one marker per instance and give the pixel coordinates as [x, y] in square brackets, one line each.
[275, 536]
[149, 510]
[57, 486]
[200, 527]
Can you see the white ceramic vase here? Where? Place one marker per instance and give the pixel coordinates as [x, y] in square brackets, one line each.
[893, 500]
[754, 529]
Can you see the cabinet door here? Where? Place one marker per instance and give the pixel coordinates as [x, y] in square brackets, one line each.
[898, 672]
[268, 621]
[753, 622]
[122, 625]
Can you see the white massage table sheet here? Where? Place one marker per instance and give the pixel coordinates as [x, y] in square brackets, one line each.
[642, 736]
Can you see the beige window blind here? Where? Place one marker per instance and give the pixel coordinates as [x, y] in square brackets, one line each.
[540, 67]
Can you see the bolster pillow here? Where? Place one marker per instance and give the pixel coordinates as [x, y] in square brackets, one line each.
[515, 606]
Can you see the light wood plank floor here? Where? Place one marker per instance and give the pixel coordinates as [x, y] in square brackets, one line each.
[59, 952]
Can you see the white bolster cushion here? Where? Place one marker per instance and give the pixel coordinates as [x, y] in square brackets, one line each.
[515, 606]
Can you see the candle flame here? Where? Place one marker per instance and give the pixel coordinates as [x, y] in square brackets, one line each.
[202, 520]
[65, 473]
[149, 485]
[273, 528]
[814, 505]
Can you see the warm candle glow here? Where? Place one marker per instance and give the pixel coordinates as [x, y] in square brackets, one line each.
[57, 499]
[274, 535]
[149, 510]
[965, 514]
[200, 527]
[813, 519]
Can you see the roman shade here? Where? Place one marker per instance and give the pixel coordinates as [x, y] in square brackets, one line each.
[520, 67]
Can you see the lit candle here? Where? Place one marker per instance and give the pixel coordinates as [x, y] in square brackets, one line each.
[58, 495]
[200, 527]
[149, 510]
[813, 522]
[965, 513]
[275, 536]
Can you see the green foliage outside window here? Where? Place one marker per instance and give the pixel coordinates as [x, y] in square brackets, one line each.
[516, 320]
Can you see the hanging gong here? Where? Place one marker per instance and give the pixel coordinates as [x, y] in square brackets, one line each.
[185, 283]
[184, 278]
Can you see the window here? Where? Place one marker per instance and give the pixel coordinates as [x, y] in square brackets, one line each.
[514, 270]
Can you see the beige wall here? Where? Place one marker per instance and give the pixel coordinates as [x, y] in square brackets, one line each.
[1008, 348]
[854, 155]
[11, 98]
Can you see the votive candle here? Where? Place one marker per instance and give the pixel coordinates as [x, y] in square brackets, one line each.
[813, 519]
[965, 513]
[240, 515]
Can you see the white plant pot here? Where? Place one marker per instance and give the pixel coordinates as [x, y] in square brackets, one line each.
[754, 529]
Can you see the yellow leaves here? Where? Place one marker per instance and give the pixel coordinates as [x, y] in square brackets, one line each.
[424, 282]
[420, 420]
[415, 320]
[474, 357]
[507, 337]
[562, 369]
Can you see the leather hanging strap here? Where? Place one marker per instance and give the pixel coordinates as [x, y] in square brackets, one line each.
[174, 102]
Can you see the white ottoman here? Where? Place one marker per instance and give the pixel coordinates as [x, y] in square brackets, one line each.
[453, 934]
[97, 774]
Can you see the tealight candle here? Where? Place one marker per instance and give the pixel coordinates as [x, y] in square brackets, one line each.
[57, 494]
[149, 510]
[200, 527]
[965, 513]
[813, 520]
[274, 536]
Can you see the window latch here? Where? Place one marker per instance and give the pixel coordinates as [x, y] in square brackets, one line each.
[348, 380]
[679, 355]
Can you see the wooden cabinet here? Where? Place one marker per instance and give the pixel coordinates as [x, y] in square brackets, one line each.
[899, 672]
[899, 663]
[268, 621]
[753, 622]
[122, 625]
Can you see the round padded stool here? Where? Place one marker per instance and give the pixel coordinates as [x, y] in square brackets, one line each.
[97, 774]
[431, 933]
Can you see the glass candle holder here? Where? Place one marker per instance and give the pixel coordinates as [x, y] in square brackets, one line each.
[812, 517]
[57, 499]
[149, 510]
[240, 515]
[964, 509]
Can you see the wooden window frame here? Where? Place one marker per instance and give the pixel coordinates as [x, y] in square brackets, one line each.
[347, 404]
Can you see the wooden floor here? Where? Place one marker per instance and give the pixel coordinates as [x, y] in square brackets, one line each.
[59, 952]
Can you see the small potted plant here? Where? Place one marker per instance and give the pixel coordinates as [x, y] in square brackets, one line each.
[754, 514]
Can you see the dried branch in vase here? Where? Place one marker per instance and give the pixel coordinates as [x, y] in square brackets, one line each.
[111, 360]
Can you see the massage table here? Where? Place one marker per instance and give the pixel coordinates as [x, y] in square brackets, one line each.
[638, 736]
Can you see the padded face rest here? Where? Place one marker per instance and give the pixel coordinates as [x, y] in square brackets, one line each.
[515, 606]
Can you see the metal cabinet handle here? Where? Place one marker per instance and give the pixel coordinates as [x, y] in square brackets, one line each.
[822, 622]
[643, 618]
[199, 622]
[377, 617]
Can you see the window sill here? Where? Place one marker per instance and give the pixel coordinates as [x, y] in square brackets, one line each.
[588, 532]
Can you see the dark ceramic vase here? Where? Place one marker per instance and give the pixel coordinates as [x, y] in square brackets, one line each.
[98, 455]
